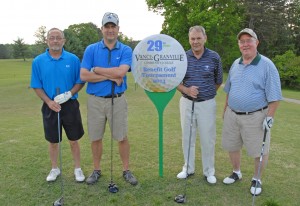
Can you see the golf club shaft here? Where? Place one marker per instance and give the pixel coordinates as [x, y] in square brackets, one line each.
[260, 162]
[189, 148]
[112, 129]
[59, 145]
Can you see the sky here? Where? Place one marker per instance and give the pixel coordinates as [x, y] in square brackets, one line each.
[22, 18]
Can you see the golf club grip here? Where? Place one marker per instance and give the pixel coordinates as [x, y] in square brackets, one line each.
[193, 106]
[265, 135]
[112, 92]
[57, 91]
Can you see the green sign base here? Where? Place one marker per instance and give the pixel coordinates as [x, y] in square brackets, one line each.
[161, 100]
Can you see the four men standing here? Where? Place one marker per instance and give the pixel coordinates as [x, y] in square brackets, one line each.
[253, 94]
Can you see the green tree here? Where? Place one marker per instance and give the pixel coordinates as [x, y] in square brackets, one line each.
[268, 18]
[293, 16]
[220, 18]
[126, 40]
[73, 43]
[20, 49]
[4, 52]
[41, 41]
[86, 33]
[288, 66]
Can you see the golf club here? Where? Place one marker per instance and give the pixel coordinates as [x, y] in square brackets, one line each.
[59, 201]
[260, 162]
[182, 197]
[112, 187]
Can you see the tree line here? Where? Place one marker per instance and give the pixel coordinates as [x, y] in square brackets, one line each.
[78, 37]
[276, 22]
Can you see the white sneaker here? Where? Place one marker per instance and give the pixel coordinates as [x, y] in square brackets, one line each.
[182, 175]
[211, 179]
[53, 175]
[79, 176]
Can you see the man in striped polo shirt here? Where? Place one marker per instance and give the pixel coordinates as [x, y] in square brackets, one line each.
[253, 94]
[198, 106]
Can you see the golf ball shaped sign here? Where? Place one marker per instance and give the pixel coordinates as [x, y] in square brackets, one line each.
[159, 63]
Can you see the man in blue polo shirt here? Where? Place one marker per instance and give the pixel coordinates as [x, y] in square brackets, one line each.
[253, 94]
[199, 87]
[57, 70]
[104, 67]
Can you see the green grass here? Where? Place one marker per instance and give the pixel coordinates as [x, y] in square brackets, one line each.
[25, 162]
[293, 94]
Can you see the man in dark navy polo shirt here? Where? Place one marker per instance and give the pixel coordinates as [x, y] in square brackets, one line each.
[199, 87]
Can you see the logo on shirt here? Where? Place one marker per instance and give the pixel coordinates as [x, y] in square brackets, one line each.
[68, 66]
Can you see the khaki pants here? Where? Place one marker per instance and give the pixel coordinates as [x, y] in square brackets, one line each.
[247, 130]
[99, 111]
[204, 119]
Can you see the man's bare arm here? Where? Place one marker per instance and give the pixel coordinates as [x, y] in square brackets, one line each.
[87, 76]
[113, 73]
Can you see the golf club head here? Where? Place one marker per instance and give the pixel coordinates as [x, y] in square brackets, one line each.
[180, 199]
[59, 202]
[113, 188]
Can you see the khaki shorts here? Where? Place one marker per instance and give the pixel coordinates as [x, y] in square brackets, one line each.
[247, 130]
[99, 111]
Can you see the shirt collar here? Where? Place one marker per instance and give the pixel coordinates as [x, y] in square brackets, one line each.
[61, 56]
[254, 61]
[117, 45]
[190, 52]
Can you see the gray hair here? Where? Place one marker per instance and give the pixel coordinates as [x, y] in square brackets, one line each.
[198, 29]
[56, 29]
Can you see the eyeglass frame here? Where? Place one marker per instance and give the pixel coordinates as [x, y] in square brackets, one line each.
[246, 41]
[57, 38]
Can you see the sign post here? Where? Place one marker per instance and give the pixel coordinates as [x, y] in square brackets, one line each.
[159, 65]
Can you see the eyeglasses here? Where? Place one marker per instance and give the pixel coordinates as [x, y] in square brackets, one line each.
[246, 41]
[57, 38]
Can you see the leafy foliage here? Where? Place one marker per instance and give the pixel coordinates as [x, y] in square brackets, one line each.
[4, 52]
[126, 40]
[41, 41]
[268, 19]
[276, 22]
[289, 67]
[20, 49]
[221, 20]
[79, 36]
[73, 43]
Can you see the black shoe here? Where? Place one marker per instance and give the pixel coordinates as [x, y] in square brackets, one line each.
[128, 176]
[93, 178]
[258, 190]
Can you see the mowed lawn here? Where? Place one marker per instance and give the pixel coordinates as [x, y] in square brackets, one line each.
[25, 162]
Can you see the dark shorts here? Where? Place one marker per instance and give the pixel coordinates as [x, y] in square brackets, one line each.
[70, 120]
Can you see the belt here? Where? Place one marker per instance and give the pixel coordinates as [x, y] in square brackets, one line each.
[195, 100]
[114, 96]
[246, 113]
